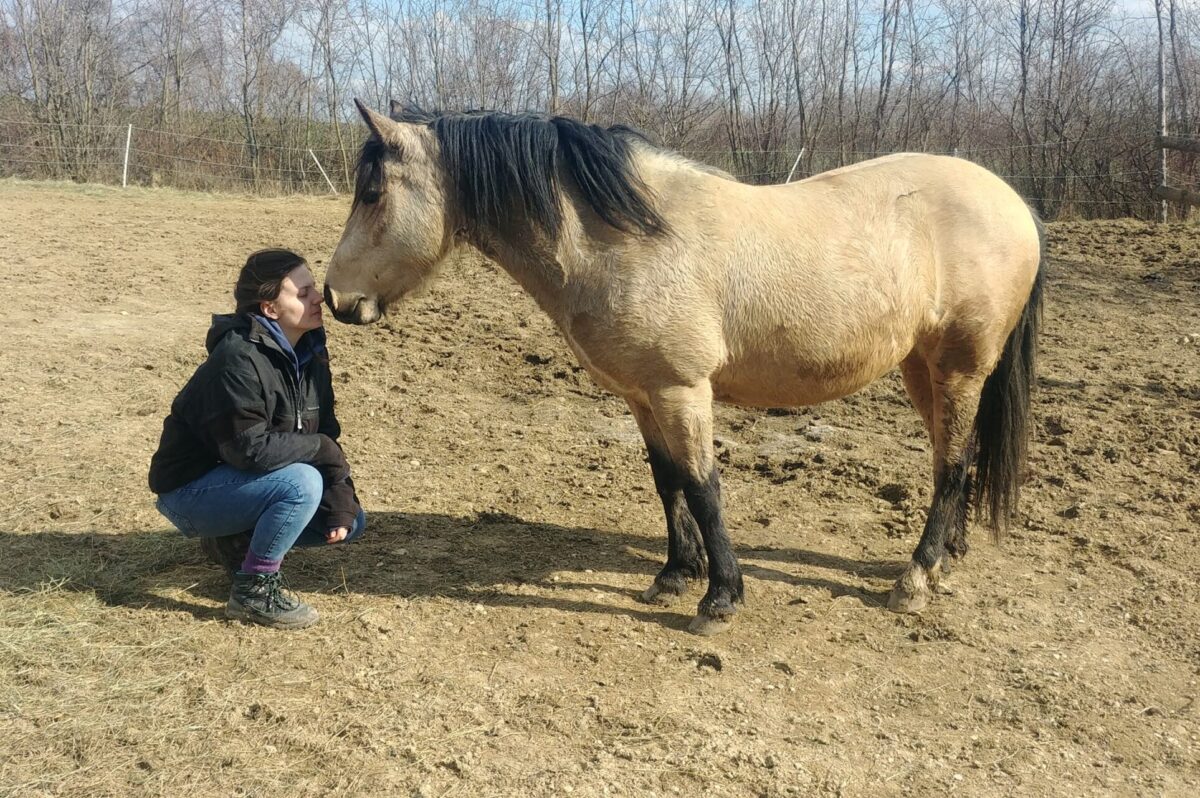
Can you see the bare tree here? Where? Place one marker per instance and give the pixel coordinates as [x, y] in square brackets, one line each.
[256, 26]
[327, 24]
[1055, 94]
[551, 21]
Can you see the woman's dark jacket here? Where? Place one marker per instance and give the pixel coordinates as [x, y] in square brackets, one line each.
[257, 407]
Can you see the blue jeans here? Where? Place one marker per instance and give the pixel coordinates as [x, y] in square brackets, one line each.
[279, 506]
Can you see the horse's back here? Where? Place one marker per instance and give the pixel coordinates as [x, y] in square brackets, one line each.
[871, 164]
[833, 281]
[951, 188]
[946, 224]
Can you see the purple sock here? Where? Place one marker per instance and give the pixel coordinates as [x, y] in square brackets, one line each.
[253, 564]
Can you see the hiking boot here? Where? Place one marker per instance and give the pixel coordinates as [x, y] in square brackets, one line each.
[261, 599]
[228, 551]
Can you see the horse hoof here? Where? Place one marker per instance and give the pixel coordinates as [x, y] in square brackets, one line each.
[660, 596]
[707, 625]
[901, 601]
[911, 592]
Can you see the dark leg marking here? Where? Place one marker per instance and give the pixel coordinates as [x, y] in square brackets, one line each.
[945, 528]
[944, 534]
[685, 555]
[724, 576]
[959, 512]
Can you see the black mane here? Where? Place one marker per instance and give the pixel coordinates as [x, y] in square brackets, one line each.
[504, 169]
[368, 175]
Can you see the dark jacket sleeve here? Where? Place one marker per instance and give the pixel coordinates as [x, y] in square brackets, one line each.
[240, 427]
[339, 504]
[328, 424]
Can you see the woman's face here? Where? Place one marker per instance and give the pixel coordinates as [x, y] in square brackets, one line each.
[298, 306]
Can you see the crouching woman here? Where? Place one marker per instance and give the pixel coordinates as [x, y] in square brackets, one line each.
[249, 461]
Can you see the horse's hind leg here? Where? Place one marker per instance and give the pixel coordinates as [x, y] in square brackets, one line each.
[955, 400]
[685, 553]
[684, 415]
[920, 386]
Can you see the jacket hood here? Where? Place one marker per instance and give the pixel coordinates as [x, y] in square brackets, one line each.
[221, 326]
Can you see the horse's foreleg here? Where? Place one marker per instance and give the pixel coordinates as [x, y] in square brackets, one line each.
[684, 416]
[685, 553]
[955, 401]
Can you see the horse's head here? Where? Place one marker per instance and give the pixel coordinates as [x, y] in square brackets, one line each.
[398, 231]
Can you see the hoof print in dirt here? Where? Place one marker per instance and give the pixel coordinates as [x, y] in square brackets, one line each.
[706, 660]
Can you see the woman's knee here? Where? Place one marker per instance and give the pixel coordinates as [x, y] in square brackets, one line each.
[181, 520]
[303, 483]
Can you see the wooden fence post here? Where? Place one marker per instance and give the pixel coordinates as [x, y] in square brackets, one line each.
[1162, 110]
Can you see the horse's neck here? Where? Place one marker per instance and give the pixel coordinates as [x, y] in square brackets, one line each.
[536, 269]
[554, 272]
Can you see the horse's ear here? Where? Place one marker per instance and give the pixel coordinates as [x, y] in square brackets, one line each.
[395, 109]
[391, 133]
[378, 124]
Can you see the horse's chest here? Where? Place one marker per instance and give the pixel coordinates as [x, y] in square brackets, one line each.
[608, 371]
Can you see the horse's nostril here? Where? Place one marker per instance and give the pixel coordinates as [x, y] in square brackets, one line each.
[352, 308]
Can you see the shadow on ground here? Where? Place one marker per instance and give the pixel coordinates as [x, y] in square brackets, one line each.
[488, 559]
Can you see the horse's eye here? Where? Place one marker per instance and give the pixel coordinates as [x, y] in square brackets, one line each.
[370, 197]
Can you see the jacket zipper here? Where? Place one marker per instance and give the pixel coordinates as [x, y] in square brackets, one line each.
[299, 407]
[295, 390]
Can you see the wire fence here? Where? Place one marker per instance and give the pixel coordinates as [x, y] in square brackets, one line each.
[135, 155]
[1116, 177]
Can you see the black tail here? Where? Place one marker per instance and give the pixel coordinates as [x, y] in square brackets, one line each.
[1002, 425]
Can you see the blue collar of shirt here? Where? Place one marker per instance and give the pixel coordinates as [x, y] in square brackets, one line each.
[310, 344]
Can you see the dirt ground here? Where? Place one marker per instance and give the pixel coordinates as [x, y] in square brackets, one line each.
[485, 637]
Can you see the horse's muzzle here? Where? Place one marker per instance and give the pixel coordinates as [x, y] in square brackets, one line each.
[352, 309]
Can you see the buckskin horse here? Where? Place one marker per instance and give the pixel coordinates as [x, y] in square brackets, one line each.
[676, 285]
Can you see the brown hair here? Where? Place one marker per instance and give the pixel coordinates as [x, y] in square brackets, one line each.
[262, 277]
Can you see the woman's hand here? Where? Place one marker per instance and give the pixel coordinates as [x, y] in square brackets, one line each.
[337, 534]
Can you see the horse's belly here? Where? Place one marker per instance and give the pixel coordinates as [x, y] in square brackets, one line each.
[751, 389]
[782, 378]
